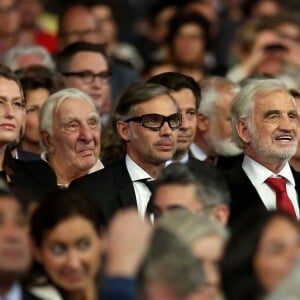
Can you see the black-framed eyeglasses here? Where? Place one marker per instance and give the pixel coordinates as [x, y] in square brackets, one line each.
[155, 121]
[89, 77]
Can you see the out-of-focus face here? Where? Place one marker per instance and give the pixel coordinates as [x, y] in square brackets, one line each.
[277, 252]
[70, 253]
[209, 251]
[30, 10]
[270, 134]
[189, 45]
[11, 111]
[15, 255]
[34, 102]
[273, 61]
[187, 107]
[160, 28]
[98, 88]
[145, 146]
[172, 196]
[74, 146]
[218, 136]
[9, 17]
[107, 26]
[86, 30]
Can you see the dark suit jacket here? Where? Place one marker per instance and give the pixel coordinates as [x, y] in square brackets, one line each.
[111, 188]
[244, 197]
[28, 296]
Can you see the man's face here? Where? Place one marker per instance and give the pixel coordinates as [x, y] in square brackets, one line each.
[98, 88]
[11, 111]
[270, 134]
[218, 136]
[187, 107]
[85, 30]
[75, 141]
[15, 255]
[9, 17]
[172, 196]
[189, 45]
[145, 146]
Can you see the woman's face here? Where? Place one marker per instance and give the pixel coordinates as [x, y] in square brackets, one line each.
[70, 254]
[209, 251]
[277, 251]
[35, 100]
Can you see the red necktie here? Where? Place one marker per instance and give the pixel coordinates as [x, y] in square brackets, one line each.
[283, 202]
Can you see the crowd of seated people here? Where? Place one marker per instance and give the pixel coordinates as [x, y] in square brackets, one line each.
[156, 161]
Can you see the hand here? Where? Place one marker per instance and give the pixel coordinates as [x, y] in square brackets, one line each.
[127, 242]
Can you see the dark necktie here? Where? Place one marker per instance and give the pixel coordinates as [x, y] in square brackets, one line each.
[283, 202]
[150, 184]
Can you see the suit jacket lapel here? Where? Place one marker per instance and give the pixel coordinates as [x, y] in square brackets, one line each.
[125, 188]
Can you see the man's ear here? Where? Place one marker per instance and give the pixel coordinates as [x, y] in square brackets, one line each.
[47, 142]
[221, 213]
[202, 122]
[242, 130]
[123, 129]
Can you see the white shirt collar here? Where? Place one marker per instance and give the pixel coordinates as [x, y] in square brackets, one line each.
[15, 292]
[258, 173]
[197, 152]
[135, 171]
[184, 160]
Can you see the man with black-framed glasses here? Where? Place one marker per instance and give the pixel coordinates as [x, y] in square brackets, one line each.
[147, 119]
[85, 66]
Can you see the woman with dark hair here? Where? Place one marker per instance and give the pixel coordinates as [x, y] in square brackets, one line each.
[66, 233]
[38, 83]
[260, 252]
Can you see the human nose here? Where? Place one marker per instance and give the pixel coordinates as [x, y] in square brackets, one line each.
[286, 123]
[165, 129]
[12, 232]
[86, 133]
[184, 122]
[73, 259]
[8, 109]
[212, 276]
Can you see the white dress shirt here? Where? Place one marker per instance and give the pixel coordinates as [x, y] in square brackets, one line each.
[142, 192]
[15, 293]
[197, 152]
[258, 174]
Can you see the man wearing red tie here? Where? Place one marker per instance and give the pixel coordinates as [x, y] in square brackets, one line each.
[265, 120]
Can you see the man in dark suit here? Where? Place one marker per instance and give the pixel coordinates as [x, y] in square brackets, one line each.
[147, 120]
[265, 119]
[15, 255]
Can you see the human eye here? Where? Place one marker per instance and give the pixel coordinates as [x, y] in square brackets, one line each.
[93, 123]
[272, 117]
[83, 244]
[191, 113]
[174, 120]
[18, 104]
[152, 120]
[31, 110]
[293, 116]
[72, 126]
[58, 248]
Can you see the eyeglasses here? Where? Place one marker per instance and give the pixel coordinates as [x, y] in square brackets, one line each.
[155, 121]
[89, 76]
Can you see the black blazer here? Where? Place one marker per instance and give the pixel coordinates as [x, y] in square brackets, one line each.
[111, 188]
[244, 197]
[26, 295]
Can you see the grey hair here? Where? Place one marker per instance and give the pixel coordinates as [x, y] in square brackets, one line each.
[170, 261]
[211, 187]
[190, 227]
[211, 93]
[53, 103]
[243, 102]
[10, 57]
